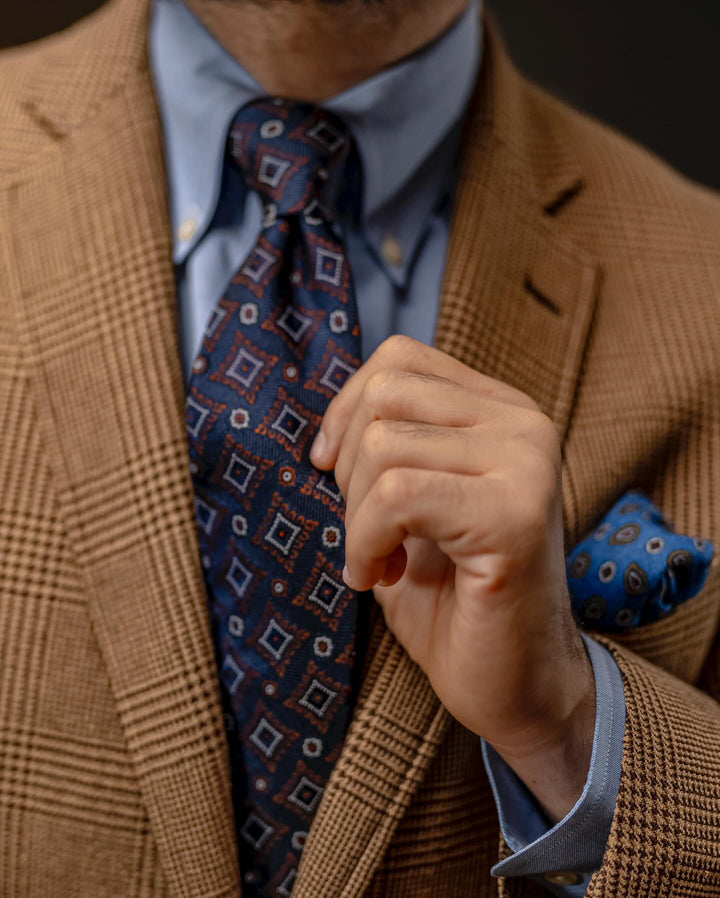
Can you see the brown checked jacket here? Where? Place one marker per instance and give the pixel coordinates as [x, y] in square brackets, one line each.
[581, 270]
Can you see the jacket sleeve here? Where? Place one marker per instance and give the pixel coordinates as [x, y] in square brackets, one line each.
[665, 832]
[664, 836]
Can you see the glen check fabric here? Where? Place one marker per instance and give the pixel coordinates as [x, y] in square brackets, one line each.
[113, 754]
[281, 343]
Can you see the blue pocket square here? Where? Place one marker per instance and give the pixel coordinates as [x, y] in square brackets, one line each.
[634, 569]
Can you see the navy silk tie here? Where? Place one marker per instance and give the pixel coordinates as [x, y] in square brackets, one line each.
[281, 343]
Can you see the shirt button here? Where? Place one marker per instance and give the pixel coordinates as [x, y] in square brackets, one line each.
[186, 230]
[392, 251]
[562, 878]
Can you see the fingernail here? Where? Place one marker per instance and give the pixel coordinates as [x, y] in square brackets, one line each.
[318, 447]
[346, 576]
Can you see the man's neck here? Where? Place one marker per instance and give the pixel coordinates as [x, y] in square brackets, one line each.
[310, 50]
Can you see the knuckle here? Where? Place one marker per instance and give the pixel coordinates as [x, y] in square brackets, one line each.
[392, 487]
[397, 347]
[541, 469]
[377, 387]
[538, 444]
[376, 440]
[544, 427]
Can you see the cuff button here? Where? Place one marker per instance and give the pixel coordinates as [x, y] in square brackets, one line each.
[562, 878]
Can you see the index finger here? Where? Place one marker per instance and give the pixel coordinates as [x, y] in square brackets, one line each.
[402, 353]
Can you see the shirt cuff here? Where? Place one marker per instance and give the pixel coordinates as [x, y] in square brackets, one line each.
[577, 843]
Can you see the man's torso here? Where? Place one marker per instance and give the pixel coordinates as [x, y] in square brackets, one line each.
[580, 270]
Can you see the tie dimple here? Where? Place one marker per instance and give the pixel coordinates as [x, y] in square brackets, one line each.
[292, 154]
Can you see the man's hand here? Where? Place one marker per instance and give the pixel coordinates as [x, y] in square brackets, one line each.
[453, 489]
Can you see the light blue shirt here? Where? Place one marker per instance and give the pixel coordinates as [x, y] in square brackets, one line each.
[406, 122]
[406, 126]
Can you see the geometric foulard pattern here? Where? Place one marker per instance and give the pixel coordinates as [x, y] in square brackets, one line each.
[633, 569]
[280, 344]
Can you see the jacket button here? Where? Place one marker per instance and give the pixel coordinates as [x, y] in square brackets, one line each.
[562, 878]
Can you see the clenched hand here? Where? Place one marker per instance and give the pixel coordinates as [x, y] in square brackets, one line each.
[453, 491]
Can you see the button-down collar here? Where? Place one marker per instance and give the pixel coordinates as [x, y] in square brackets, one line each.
[402, 120]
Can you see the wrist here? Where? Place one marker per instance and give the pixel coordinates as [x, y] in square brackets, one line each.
[553, 758]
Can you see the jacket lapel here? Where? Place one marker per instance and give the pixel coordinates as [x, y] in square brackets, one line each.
[518, 294]
[96, 302]
[517, 304]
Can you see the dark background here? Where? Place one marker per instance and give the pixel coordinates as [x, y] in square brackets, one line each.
[649, 67]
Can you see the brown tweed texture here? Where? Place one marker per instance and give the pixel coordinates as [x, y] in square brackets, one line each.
[581, 270]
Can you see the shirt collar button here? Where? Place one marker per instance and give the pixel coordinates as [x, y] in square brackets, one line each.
[392, 251]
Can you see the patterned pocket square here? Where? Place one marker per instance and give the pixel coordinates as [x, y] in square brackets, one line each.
[634, 569]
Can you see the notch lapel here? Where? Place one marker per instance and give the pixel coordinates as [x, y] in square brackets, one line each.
[517, 304]
[519, 294]
[95, 297]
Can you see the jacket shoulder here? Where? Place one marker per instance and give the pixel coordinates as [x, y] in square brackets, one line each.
[21, 74]
[627, 196]
[49, 87]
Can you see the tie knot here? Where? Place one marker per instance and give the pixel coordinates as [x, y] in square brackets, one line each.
[293, 154]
